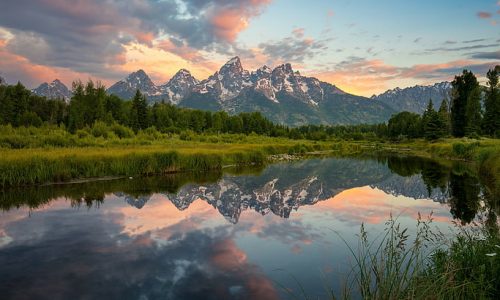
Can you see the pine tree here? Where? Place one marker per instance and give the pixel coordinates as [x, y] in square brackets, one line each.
[473, 113]
[463, 86]
[491, 120]
[432, 123]
[444, 115]
[139, 112]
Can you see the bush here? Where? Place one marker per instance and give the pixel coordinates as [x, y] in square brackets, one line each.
[100, 129]
[186, 135]
[122, 131]
[464, 151]
[30, 118]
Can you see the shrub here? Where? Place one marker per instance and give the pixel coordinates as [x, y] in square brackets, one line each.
[100, 129]
[122, 131]
[464, 151]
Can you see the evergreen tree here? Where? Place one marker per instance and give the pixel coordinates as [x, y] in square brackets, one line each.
[405, 124]
[491, 120]
[444, 115]
[139, 112]
[463, 86]
[473, 113]
[76, 118]
[431, 123]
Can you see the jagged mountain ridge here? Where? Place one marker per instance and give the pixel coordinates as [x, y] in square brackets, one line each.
[415, 98]
[281, 94]
[54, 90]
[138, 80]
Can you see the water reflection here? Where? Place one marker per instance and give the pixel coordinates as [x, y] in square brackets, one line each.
[203, 236]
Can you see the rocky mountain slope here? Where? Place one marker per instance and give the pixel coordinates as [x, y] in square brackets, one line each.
[54, 90]
[281, 94]
[416, 98]
[138, 80]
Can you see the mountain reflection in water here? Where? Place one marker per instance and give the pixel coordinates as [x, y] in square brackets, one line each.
[164, 237]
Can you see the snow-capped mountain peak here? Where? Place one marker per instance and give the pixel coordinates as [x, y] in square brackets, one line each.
[54, 90]
[178, 86]
[227, 83]
[415, 98]
[137, 80]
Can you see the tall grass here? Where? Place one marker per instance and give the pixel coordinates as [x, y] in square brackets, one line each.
[428, 266]
[50, 167]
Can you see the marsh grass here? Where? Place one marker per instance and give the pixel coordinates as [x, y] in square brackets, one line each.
[428, 266]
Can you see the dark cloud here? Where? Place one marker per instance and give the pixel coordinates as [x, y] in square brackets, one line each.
[91, 36]
[455, 49]
[473, 41]
[417, 40]
[295, 48]
[487, 55]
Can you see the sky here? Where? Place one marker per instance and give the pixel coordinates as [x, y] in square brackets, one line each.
[363, 46]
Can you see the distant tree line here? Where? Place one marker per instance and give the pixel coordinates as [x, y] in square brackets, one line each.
[90, 104]
[464, 116]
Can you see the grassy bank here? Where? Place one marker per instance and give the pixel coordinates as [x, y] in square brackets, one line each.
[51, 154]
[161, 155]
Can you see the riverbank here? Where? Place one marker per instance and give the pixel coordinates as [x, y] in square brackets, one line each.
[41, 156]
[29, 166]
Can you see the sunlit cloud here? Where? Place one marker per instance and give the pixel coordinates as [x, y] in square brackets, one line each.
[483, 15]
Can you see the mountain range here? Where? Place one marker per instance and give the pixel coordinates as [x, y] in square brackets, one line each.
[54, 90]
[415, 98]
[281, 94]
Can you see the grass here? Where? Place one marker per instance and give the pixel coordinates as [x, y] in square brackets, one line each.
[429, 266]
[163, 154]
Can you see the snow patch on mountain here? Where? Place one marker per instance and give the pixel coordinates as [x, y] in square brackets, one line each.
[54, 90]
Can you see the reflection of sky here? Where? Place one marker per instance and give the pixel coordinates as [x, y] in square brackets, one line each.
[119, 251]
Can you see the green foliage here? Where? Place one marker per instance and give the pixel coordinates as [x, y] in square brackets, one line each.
[463, 114]
[396, 266]
[405, 125]
[491, 120]
[29, 118]
[464, 150]
[139, 112]
[432, 124]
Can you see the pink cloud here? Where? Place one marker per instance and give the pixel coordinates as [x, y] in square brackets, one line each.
[229, 22]
[18, 68]
[298, 32]
[484, 15]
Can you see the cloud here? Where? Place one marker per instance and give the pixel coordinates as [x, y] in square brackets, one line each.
[483, 15]
[370, 76]
[455, 49]
[487, 55]
[295, 48]
[473, 41]
[417, 40]
[92, 36]
[298, 32]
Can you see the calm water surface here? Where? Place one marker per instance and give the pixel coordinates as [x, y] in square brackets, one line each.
[213, 236]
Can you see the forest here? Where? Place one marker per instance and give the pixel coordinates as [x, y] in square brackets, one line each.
[473, 111]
